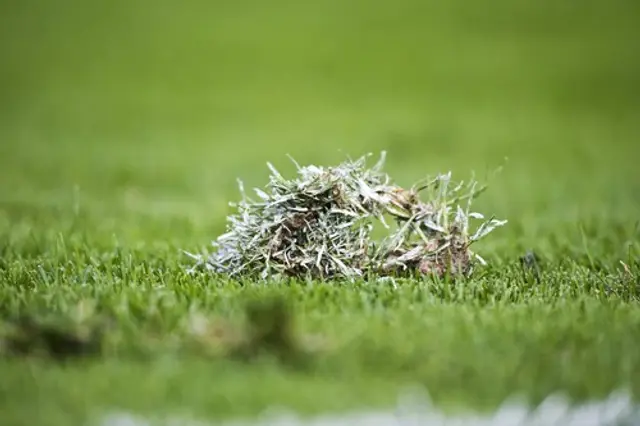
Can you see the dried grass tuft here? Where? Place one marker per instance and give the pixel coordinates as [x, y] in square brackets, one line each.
[318, 225]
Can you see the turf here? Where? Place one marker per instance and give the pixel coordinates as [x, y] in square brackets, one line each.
[123, 128]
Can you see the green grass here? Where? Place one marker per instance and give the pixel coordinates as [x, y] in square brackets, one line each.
[123, 128]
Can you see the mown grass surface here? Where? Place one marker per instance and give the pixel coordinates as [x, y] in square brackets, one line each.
[123, 127]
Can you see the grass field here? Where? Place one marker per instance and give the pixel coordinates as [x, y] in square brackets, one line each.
[123, 128]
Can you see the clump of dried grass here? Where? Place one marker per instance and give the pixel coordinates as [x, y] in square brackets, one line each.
[318, 225]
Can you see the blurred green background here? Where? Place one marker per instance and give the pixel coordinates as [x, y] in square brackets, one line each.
[142, 114]
[125, 124]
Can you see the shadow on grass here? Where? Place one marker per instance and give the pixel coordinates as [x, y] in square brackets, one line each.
[268, 334]
[27, 336]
